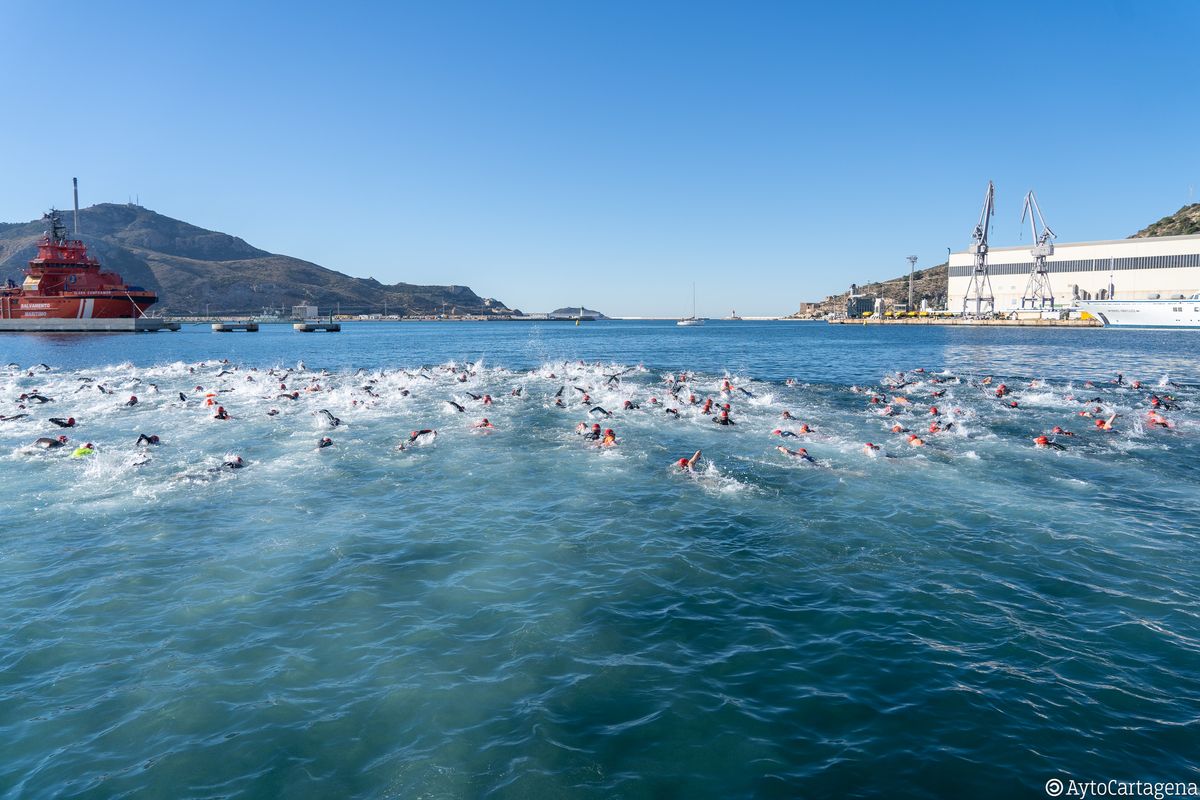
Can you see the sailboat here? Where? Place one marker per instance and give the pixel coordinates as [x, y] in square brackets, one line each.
[693, 319]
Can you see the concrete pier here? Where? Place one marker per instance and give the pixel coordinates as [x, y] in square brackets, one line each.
[227, 327]
[311, 326]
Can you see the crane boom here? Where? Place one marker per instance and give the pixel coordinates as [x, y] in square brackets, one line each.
[1037, 290]
[980, 287]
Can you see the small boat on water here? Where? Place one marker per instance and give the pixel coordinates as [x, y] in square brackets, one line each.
[1178, 312]
[693, 319]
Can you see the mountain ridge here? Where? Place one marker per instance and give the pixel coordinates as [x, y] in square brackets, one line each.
[192, 268]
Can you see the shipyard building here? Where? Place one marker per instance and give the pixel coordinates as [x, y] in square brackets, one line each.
[1124, 269]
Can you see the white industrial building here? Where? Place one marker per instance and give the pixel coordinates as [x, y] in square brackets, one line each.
[1124, 269]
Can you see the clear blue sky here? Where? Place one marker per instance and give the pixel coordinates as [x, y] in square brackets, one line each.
[608, 153]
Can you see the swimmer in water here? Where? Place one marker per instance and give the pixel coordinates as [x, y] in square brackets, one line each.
[1046, 442]
[688, 464]
[50, 444]
[784, 434]
[1058, 431]
[69, 422]
[629, 405]
[423, 436]
[800, 453]
[871, 449]
[483, 423]
[37, 397]
[144, 440]
[182, 397]
[1157, 420]
[707, 406]
[1106, 424]
[273, 412]
[915, 441]
[599, 410]
[325, 442]
[234, 463]
[12, 417]
[221, 413]
[330, 418]
[85, 451]
[723, 419]
[132, 401]
[455, 406]
[594, 433]
[610, 438]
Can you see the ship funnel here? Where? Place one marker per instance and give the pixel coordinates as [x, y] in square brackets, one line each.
[75, 183]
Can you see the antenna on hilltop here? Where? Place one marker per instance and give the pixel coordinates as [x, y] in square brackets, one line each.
[75, 183]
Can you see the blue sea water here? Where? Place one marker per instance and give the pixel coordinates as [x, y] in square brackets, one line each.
[517, 613]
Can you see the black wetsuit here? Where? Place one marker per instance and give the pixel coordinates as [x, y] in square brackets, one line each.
[333, 421]
[49, 443]
[457, 407]
[599, 410]
[326, 442]
[723, 421]
[144, 439]
[63, 423]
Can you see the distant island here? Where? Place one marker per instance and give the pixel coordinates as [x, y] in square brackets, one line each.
[194, 270]
[575, 311]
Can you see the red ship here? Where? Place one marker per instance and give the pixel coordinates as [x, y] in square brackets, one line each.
[63, 282]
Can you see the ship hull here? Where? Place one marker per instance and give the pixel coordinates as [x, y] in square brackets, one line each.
[75, 306]
[1144, 313]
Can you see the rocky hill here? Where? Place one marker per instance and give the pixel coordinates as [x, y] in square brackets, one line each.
[928, 284]
[1183, 222]
[190, 267]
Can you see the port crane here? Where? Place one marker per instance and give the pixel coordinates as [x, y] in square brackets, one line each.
[1037, 290]
[980, 287]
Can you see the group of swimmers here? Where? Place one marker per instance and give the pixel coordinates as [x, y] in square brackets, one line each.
[890, 400]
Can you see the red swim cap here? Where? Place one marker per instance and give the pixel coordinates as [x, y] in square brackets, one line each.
[776, 432]
[608, 432]
[683, 462]
[1041, 440]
